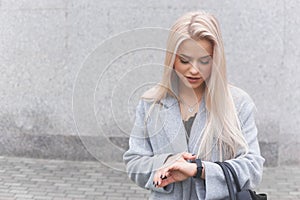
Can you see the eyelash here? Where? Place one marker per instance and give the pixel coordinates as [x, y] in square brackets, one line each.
[184, 61]
[187, 62]
[204, 63]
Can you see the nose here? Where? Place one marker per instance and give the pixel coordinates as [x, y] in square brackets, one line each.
[194, 69]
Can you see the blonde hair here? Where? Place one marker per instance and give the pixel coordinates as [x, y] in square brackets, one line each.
[222, 129]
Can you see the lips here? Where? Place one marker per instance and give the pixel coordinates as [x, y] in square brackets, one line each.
[193, 78]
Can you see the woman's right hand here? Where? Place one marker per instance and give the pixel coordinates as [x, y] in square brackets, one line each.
[175, 169]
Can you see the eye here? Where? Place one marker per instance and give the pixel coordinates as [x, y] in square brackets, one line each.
[183, 61]
[205, 60]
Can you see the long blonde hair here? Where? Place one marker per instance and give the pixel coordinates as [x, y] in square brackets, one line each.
[222, 129]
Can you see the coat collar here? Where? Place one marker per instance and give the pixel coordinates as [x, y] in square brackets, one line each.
[168, 101]
[174, 128]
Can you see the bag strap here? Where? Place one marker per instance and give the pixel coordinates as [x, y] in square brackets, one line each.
[234, 175]
[228, 181]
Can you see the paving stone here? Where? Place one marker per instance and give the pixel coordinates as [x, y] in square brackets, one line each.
[77, 180]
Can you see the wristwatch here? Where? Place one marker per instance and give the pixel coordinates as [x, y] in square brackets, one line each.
[199, 168]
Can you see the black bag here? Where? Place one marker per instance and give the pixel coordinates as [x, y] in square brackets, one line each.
[244, 194]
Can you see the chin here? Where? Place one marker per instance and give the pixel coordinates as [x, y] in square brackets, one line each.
[193, 86]
[190, 85]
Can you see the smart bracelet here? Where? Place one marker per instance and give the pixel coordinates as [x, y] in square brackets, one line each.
[199, 168]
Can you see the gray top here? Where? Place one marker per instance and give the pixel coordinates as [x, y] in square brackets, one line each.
[188, 125]
[161, 134]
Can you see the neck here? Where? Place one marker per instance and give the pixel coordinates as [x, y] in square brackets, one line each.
[191, 94]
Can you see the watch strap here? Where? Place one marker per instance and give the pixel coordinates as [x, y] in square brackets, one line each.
[199, 168]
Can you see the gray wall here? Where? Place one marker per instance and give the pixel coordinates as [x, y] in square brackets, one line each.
[60, 100]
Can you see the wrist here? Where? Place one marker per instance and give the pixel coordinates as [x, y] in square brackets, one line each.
[194, 169]
[203, 171]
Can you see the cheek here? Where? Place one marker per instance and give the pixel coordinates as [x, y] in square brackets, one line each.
[179, 67]
[206, 71]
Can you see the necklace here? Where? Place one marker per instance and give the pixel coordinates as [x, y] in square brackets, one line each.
[189, 108]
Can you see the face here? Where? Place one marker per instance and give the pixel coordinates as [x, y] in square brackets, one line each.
[193, 62]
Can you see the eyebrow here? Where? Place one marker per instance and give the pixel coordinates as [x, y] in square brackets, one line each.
[188, 57]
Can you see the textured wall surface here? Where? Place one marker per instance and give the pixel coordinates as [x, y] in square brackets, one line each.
[47, 46]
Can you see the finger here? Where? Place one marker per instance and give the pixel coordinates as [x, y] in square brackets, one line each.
[156, 178]
[189, 156]
[186, 154]
[165, 175]
[166, 181]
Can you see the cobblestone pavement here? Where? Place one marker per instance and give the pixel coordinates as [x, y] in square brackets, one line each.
[25, 178]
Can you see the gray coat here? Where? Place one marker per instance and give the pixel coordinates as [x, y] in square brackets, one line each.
[164, 135]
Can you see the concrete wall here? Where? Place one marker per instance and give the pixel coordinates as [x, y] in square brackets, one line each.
[61, 99]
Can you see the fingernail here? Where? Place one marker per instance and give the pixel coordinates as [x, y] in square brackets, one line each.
[164, 177]
[161, 176]
[153, 183]
[193, 154]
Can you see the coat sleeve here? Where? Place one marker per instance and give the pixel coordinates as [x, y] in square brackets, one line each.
[249, 167]
[141, 163]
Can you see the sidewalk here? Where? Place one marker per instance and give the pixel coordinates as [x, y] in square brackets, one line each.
[25, 178]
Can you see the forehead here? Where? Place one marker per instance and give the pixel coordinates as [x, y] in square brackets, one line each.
[195, 48]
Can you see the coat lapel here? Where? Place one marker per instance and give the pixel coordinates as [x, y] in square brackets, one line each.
[197, 128]
[173, 126]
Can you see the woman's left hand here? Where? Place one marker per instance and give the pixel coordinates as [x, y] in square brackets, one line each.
[175, 169]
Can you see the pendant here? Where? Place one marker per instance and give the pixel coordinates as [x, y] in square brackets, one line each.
[190, 109]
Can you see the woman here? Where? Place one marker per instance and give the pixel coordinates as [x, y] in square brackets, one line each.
[192, 119]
